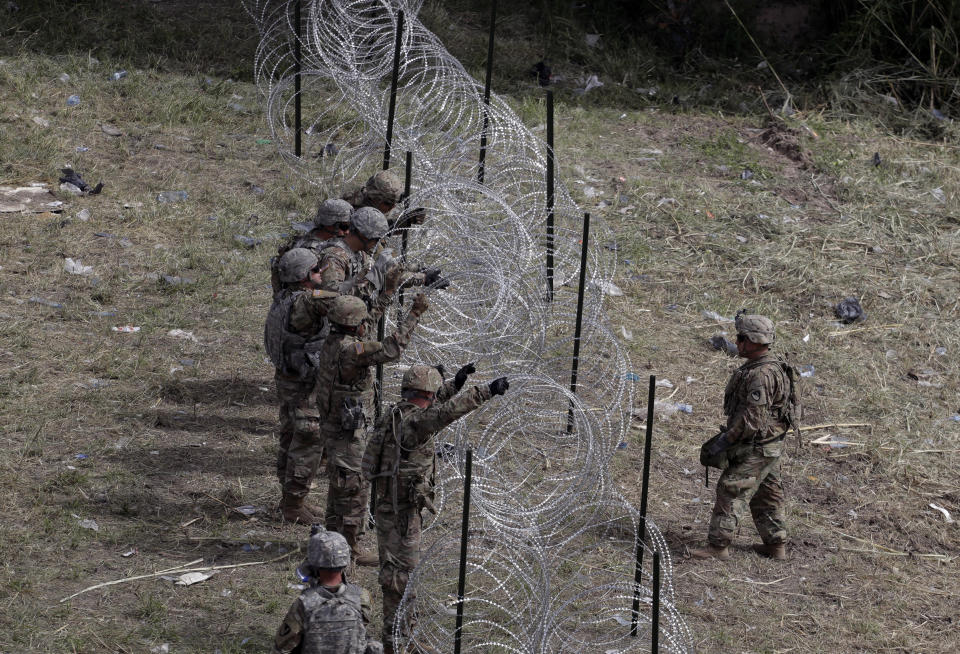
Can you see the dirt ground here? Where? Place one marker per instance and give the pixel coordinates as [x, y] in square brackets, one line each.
[128, 453]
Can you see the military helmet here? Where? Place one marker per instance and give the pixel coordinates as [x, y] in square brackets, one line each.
[421, 378]
[383, 187]
[348, 310]
[757, 328]
[332, 212]
[369, 222]
[295, 265]
[327, 549]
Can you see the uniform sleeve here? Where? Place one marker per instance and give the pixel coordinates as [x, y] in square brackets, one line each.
[424, 424]
[309, 310]
[370, 352]
[752, 418]
[290, 633]
[448, 390]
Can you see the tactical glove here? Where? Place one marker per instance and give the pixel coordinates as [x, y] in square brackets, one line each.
[432, 278]
[461, 377]
[719, 445]
[499, 386]
[420, 304]
[441, 370]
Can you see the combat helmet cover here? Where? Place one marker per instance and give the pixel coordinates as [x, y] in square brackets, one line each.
[348, 310]
[383, 187]
[758, 329]
[295, 265]
[327, 549]
[369, 222]
[331, 212]
[421, 378]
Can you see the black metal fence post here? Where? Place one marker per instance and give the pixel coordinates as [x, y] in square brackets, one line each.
[579, 325]
[642, 524]
[550, 196]
[297, 61]
[486, 93]
[392, 110]
[464, 533]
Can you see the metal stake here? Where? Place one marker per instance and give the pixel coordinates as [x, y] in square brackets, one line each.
[296, 80]
[642, 525]
[462, 580]
[406, 205]
[486, 93]
[550, 196]
[579, 325]
[655, 618]
[391, 112]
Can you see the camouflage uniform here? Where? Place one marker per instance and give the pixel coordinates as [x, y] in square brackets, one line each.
[329, 214]
[327, 619]
[756, 403]
[346, 382]
[401, 458]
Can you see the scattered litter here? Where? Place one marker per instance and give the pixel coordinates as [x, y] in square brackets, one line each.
[622, 445]
[806, 339]
[82, 148]
[80, 456]
[936, 113]
[35, 198]
[126, 329]
[73, 100]
[742, 239]
[226, 592]
[296, 586]
[110, 130]
[940, 351]
[119, 75]
[955, 417]
[104, 314]
[592, 39]
[160, 649]
[64, 77]
[46, 303]
[664, 383]
[76, 268]
[833, 443]
[713, 315]
[849, 311]
[946, 514]
[247, 547]
[665, 410]
[87, 524]
[189, 363]
[852, 514]
[130, 553]
[632, 376]
[41, 121]
[70, 176]
[684, 408]
[806, 370]
[746, 173]
[263, 141]
[609, 288]
[72, 189]
[689, 380]
[922, 375]
[236, 106]
[191, 578]
[83, 215]
[591, 82]
[247, 509]
[718, 342]
[622, 621]
[648, 91]
[670, 201]
[181, 333]
[132, 205]
[247, 241]
[591, 192]
[94, 383]
[164, 197]
[626, 333]
[938, 195]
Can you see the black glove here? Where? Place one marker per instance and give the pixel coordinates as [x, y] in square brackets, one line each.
[719, 445]
[461, 377]
[432, 278]
[499, 386]
[441, 370]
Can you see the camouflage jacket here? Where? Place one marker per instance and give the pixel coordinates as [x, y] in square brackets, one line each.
[302, 630]
[308, 241]
[401, 451]
[755, 401]
[344, 365]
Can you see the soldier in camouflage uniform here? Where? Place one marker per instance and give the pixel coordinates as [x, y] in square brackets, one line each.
[401, 460]
[345, 399]
[332, 221]
[293, 333]
[761, 404]
[331, 615]
[383, 192]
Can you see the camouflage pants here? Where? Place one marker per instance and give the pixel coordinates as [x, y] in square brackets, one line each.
[398, 542]
[752, 479]
[300, 446]
[348, 495]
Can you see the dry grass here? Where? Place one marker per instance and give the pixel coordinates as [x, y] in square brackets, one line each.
[176, 430]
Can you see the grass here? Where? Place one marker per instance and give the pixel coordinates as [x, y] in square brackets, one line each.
[168, 442]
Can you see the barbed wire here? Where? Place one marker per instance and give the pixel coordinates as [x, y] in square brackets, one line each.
[552, 544]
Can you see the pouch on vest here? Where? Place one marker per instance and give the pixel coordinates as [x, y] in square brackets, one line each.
[352, 416]
[708, 459]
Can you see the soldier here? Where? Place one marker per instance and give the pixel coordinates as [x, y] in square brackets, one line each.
[293, 332]
[383, 191]
[345, 400]
[332, 221]
[401, 456]
[761, 403]
[331, 615]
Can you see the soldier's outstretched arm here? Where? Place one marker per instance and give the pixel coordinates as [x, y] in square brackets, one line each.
[368, 353]
[290, 634]
[429, 421]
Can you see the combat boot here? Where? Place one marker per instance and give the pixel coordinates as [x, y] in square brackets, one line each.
[773, 551]
[293, 510]
[711, 552]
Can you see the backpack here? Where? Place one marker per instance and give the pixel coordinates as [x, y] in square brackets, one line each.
[334, 621]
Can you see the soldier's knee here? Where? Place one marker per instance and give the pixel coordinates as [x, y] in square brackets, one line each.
[393, 579]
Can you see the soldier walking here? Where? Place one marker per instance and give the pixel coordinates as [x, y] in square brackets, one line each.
[331, 615]
[293, 333]
[401, 459]
[345, 395]
[761, 402]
